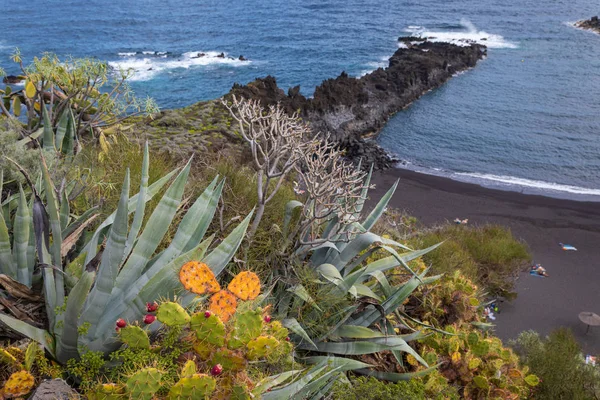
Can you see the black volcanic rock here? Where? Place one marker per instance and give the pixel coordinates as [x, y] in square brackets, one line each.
[355, 109]
[592, 24]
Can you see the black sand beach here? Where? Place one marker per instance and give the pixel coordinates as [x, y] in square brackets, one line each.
[543, 304]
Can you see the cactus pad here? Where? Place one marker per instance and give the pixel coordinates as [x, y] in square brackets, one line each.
[248, 326]
[198, 278]
[223, 304]
[261, 347]
[172, 314]
[231, 361]
[245, 285]
[144, 384]
[19, 384]
[277, 330]
[189, 369]
[134, 337]
[196, 387]
[240, 392]
[106, 391]
[203, 350]
[211, 329]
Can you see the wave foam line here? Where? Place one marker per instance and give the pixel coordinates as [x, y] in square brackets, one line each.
[469, 34]
[530, 183]
[147, 64]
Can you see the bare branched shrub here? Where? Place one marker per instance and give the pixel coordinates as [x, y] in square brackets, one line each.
[334, 190]
[276, 141]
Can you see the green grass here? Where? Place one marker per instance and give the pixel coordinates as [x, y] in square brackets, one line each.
[489, 255]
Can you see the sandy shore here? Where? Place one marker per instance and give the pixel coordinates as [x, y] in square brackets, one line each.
[543, 303]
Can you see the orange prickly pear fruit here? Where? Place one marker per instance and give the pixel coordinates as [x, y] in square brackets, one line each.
[198, 278]
[223, 304]
[245, 285]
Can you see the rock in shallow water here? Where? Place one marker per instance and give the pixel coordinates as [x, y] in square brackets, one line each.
[55, 389]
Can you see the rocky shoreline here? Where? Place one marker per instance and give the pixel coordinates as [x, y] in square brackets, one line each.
[592, 24]
[354, 110]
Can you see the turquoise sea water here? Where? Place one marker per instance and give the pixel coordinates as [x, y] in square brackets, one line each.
[527, 118]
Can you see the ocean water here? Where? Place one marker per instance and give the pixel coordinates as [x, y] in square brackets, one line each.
[527, 118]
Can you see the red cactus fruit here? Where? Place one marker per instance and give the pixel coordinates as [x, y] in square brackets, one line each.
[121, 323]
[151, 307]
[287, 339]
[216, 370]
[148, 319]
[267, 318]
[207, 314]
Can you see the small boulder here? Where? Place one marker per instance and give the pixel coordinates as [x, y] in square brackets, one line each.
[222, 55]
[12, 79]
[55, 389]
[242, 58]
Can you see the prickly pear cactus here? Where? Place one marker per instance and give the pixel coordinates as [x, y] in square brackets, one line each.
[143, 384]
[172, 314]
[188, 370]
[223, 304]
[196, 387]
[18, 384]
[231, 361]
[245, 285]
[208, 328]
[248, 326]
[134, 337]
[240, 392]
[277, 330]
[261, 347]
[198, 278]
[106, 391]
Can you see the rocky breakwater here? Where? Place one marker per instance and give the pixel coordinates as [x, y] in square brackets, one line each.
[354, 110]
[592, 24]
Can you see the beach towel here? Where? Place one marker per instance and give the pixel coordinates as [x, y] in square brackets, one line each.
[567, 247]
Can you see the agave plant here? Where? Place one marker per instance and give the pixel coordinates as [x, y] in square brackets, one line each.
[120, 277]
[340, 262]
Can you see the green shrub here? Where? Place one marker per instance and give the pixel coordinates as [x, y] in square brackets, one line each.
[489, 255]
[558, 362]
[369, 388]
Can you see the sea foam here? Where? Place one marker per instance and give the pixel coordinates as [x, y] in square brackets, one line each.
[466, 35]
[148, 64]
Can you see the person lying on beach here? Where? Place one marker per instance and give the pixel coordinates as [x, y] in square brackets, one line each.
[459, 221]
[537, 269]
[489, 314]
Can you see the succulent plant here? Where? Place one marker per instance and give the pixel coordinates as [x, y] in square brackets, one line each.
[248, 325]
[223, 304]
[197, 278]
[208, 329]
[134, 337]
[198, 386]
[118, 282]
[172, 314]
[143, 384]
[261, 346]
[245, 285]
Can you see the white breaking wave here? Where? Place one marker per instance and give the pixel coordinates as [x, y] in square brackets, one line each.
[374, 65]
[512, 181]
[464, 37]
[147, 64]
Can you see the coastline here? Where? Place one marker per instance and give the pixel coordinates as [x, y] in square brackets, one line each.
[542, 222]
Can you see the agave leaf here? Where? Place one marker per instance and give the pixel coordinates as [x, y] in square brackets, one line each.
[61, 129]
[399, 344]
[352, 249]
[64, 212]
[396, 377]
[67, 333]
[300, 291]
[81, 220]
[6, 259]
[92, 245]
[347, 314]
[289, 212]
[36, 334]
[364, 194]
[138, 217]
[21, 240]
[195, 223]
[153, 233]
[48, 141]
[274, 380]
[379, 208]
[289, 391]
[383, 282]
[68, 143]
[357, 332]
[318, 384]
[53, 215]
[220, 257]
[345, 364]
[100, 294]
[293, 325]
[354, 348]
